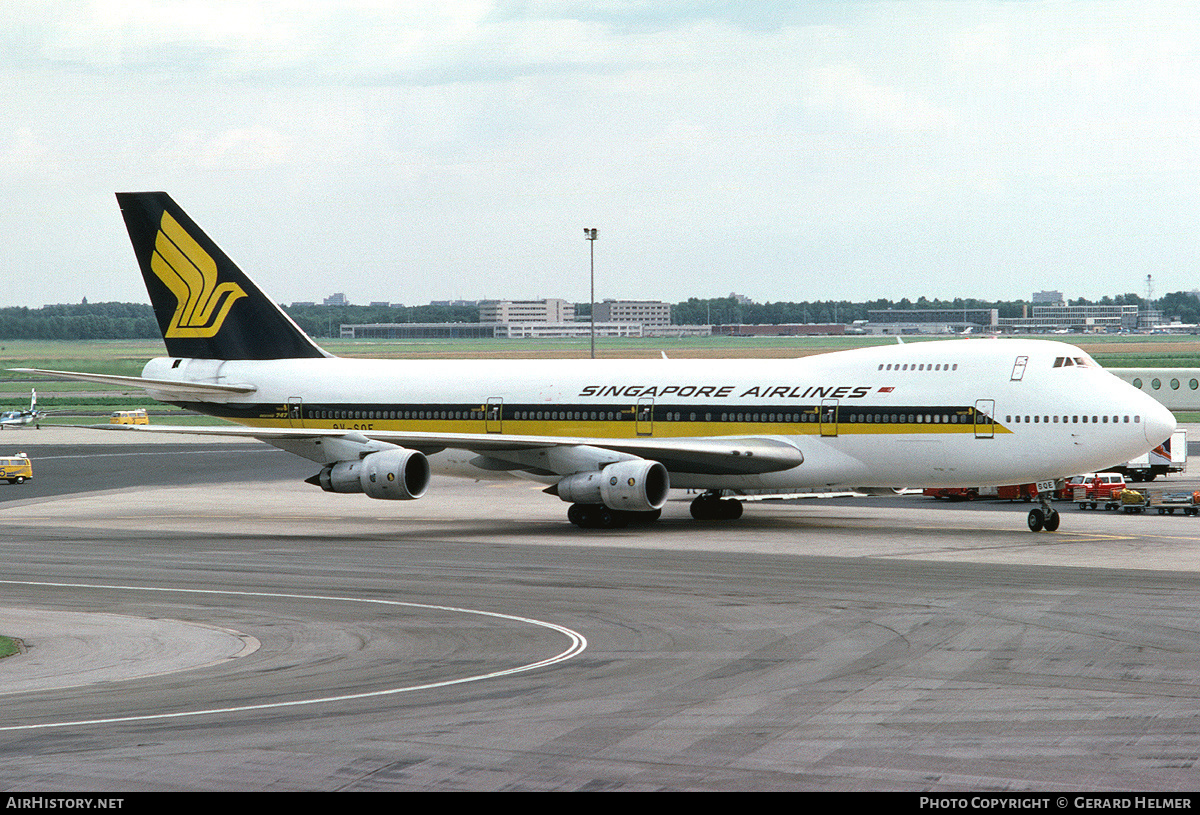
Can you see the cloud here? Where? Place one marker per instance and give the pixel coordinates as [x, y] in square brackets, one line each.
[889, 142]
[250, 148]
[846, 91]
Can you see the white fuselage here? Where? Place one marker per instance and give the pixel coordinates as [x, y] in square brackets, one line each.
[950, 413]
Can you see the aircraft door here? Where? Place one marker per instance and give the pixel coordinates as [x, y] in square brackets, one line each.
[985, 424]
[295, 411]
[829, 417]
[1018, 371]
[645, 416]
[493, 419]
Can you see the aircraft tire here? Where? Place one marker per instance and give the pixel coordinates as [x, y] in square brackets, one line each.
[598, 516]
[644, 518]
[716, 509]
[611, 518]
[1036, 520]
[1052, 521]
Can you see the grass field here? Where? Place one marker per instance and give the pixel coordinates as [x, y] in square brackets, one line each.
[7, 647]
[67, 401]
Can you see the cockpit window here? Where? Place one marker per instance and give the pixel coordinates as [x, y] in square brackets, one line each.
[1071, 362]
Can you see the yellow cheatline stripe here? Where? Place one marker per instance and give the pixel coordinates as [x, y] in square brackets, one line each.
[615, 430]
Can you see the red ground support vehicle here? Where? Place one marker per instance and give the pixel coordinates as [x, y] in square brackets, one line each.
[1017, 492]
[1096, 489]
[1076, 483]
[952, 493]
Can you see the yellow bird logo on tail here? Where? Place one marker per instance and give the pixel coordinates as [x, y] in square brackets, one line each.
[191, 275]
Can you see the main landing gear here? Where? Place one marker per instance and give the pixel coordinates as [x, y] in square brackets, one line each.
[598, 516]
[710, 506]
[1044, 517]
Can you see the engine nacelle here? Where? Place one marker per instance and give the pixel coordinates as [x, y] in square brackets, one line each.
[398, 475]
[634, 486]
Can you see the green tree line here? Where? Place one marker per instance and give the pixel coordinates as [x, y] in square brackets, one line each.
[120, 321]
[82, 321]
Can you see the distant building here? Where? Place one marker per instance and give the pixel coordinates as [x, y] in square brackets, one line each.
[781, 330]
[931, 320]
[418, 331]
[551, 310]
[514, 331]
[536, 330]
[338, 299]
[1150, 318]
[646, 312]
[1074, 318]
[1050, 298]
[677, 331]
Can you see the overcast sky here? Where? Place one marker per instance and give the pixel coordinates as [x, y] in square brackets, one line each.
[413, 151]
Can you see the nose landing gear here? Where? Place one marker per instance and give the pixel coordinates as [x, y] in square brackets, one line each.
[1044, 517]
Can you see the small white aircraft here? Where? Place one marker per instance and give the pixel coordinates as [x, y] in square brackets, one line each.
[611, 437]
[21, 418]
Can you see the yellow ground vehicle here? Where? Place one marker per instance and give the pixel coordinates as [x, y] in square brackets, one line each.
[16, 469]
[129, 417]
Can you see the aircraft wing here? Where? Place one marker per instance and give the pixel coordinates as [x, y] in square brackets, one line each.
[709, 456]
[726, 455]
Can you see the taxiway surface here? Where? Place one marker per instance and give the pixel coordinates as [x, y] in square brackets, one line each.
[198, 618]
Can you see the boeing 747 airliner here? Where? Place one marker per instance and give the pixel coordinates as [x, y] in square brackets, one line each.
[611, 437]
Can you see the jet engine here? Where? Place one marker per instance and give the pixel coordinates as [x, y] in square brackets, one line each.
[634, 486]
[397, 474]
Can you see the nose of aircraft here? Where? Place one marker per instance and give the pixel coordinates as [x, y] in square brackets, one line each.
[1158, 423]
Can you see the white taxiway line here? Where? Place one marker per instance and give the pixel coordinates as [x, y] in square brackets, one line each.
[578, 643]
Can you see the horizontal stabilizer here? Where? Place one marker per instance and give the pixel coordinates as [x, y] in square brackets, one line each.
[171, 386]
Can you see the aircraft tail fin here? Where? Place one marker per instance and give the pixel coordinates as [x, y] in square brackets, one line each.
[33, 400]
[205, 305]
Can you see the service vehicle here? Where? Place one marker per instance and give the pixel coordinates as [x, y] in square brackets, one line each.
[1132, 501]
[16, 469]
[952, 493]
[1186, 502]
[1168, 457]
[1101, 488]
[1017, 492]
[1075, 482]
[129, 417]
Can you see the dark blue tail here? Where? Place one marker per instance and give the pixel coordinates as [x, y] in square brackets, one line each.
[205, 305]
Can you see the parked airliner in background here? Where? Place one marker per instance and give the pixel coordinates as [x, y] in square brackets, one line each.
[1174, 388]
[20, 418]
[611, 437]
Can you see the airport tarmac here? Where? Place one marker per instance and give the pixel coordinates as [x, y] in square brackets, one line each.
[198, 618]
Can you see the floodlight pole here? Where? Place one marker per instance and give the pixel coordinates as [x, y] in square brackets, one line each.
[590, 234]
